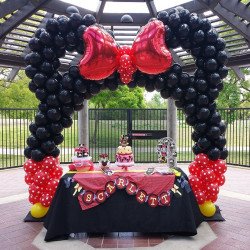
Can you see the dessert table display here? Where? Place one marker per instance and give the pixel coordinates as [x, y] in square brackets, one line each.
[126, 201]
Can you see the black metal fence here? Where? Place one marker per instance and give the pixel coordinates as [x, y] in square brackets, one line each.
[106, 126]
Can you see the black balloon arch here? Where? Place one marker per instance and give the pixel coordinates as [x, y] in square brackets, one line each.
[61, 95]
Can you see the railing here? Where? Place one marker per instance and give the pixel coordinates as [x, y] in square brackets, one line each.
[106, 126]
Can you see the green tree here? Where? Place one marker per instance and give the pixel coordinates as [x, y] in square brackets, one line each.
[123, 97]
[17, 94]
[156, 102]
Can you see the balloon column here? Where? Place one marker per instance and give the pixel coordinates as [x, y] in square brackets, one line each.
[42, 178]
[147, 64]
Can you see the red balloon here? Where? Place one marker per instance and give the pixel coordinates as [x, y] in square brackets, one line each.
[36, 190]
[51, 186]
[31, 166]
[29, 178]
[211, 190]
[151, 55]
[195, 182]
[34, 199]
[220, 179]
[49, 163]
[46, 199]
[200, 196]
[41, 178]
[207, 175]
[212, 197]
[57, 172]
[100, 58]
[202, 160]
[219, 167]
[194, 168]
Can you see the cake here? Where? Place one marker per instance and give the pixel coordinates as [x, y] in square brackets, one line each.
[124, 155]
[82, 161]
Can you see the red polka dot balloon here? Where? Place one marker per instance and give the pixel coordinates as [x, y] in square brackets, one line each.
[202, 160]
[220, 179]
[194, 168]
[219, 167]
[51, 186]
[207, 175]
[31, 167]
[200, 196]
[41, 178]
[29, 178]
[195, 182]
[46, 199]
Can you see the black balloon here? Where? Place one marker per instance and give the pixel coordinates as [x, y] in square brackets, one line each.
[75, 20]
[27, 152]
[37, 155]
[40, 119]
[191, 120]
[88, 20]
[202, 100]
[65, 96]
[177, 94]
[80, 31]
[214, 154]
[67, 82]
[32, 128]
[203, 114]
[58, 139]
[32, 86]
[163, 16]
[30, 71]
[172, 80]
[40, 79]
[47, 68]
[199, 36]
[41, 94]
[190, 94]
[53, 101]
[52, 25]
[203, 143]
[214, 132]
[42, 133]
[43, 107]
[159, 83]
[176, 68]
[52, 85]
[59, 41]
[165, 93]
[190, 109]
[46, 38]
[222, 127]
[48, 146]
[80, 85]
[54, 114]
[211, 36]
[33, 142]
[201, 85]
[35, 44]
[197, 150]
[224, 153]
[200, 127]
[56, 128]
[66, 122]
[55, 152]
[174, 20]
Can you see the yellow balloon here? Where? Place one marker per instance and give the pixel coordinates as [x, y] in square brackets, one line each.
[38, 210]
[208, 208]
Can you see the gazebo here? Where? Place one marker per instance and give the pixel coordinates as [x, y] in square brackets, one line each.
[20, 19]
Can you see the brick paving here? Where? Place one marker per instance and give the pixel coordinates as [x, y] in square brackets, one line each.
[231, 234]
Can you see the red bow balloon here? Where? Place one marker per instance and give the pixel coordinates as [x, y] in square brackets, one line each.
[102, 56]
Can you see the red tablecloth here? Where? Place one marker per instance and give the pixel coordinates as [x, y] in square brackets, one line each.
[95, 181]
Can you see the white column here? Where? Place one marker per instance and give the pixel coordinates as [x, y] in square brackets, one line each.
[83, 124]
[172, 120]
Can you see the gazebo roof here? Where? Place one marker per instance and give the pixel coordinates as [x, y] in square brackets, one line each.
[19, 19]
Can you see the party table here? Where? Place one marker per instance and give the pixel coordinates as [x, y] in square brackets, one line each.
[127, 201]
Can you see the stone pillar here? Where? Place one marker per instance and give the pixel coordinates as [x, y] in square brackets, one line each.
[83, 124]
[172, 120]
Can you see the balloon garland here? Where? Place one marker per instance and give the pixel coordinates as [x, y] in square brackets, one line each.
[147, 64]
